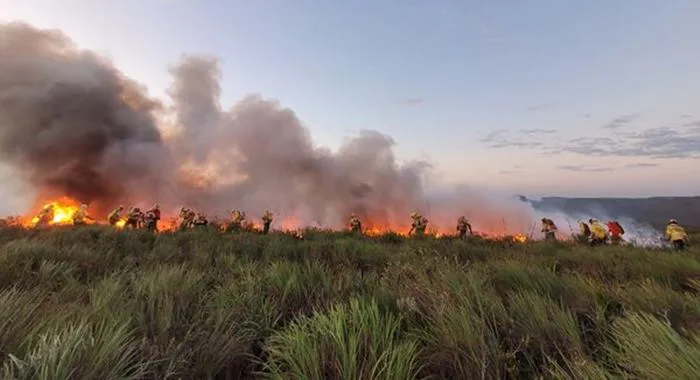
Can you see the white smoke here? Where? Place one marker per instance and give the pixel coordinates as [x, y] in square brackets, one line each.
[636, 233]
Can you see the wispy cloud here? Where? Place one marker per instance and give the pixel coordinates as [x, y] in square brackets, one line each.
[682, 141]
[517, 169]
[620, 121]
[495, 135]
[412, 101]
[525, 138]
[584, 168]
[641, 165]
[662, 142]
[510, 172]
[517, 144]
[537, 131]
[540, 107]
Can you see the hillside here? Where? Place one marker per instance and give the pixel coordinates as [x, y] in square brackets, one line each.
[655, 210]
[95, 303]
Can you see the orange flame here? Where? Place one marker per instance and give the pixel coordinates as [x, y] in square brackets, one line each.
[377, 230]
[520, 238]
[63, 210]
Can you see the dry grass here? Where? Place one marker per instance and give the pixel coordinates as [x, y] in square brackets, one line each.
[95, 303]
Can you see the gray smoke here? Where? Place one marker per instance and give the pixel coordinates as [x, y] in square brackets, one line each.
[263, 157]
[73, 125]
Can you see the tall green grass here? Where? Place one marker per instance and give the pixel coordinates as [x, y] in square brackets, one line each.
[93, 303]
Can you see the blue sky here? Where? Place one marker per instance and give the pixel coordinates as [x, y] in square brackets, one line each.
[539, 97]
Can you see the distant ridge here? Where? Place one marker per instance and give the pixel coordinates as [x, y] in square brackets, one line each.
[653, 210]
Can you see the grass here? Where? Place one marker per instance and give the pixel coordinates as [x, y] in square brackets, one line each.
[93, 303]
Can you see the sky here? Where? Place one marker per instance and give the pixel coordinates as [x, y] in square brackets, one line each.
[539, 97]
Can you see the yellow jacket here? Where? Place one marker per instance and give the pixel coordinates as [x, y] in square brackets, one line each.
[598, 231]
[675, 232]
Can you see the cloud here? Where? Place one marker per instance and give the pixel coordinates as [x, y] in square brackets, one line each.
[680, 141]
[540, 107]
[692, 124]
[524, 138]
[517, 169]
[495, 135]
[655, 143]
[537, 131]
[583, 168]
[661, 142]
[516, 144]
[620, 121]
[412, 101]
[641, 165]
[686, 116]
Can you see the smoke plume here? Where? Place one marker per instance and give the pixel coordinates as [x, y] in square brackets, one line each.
[71, 123]
[74, 125]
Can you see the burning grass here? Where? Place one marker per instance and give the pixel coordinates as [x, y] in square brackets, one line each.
[63, 209]
[94, 302]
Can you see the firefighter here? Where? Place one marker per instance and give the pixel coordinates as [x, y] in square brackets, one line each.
[676, 234]
[355, 224]
[550, 229]
[584, 232]
[199, 220]
[150, 220]
[237, 219]
[267, 221]
[153, 216]
[419, 224]
[115, 216]
[45, 216]
[463, 227]
[599, 235]
[186, 218]
[134, 218]
[616, 231]
[80, 216]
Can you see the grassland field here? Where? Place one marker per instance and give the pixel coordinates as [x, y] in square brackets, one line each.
[95, 303]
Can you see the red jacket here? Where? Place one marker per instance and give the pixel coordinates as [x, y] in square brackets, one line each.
[615, 229]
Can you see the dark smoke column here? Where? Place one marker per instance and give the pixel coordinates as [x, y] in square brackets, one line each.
[72, 124]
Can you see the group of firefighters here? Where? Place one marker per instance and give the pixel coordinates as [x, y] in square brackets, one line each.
[596, 233]
[418, 225]
[190, 218]
[593, 232]
[135, 218]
